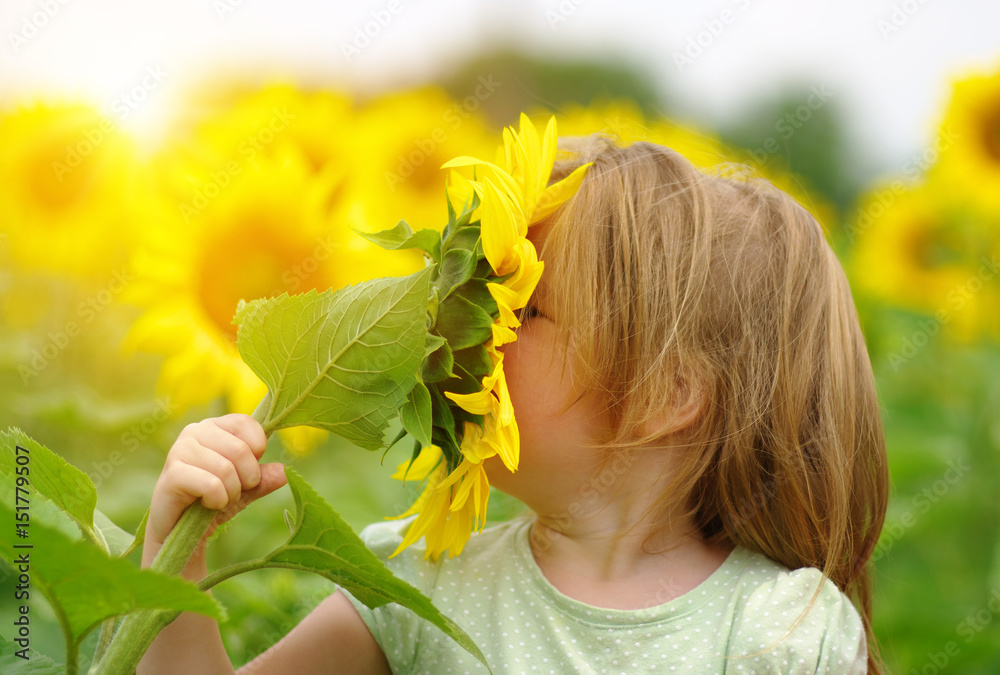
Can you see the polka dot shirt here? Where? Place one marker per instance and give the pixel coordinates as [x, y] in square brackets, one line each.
[746, 618]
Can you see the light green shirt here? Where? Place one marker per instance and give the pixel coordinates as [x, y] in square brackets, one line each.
[523, 624]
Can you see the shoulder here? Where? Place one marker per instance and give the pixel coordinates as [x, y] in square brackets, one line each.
[793, 621]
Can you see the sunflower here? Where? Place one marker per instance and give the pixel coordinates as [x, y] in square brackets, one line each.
[513, 194]
[968, 145]
[925, 251]
[398, 145]
[234, 127]
[272, 226]
[68, 188]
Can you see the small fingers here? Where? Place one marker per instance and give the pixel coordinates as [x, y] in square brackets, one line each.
[214, 460]
[246, 429]
[225, 444]
[179, 485]
[215, 492]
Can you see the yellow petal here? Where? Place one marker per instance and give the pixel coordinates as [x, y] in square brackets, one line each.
[502, 335]
[557, 194]
[548, 154]
[499, 228]
[421, 467]
[505, 439]
[481, 497]
[440, 535]
[490, 381]
[459, 191]
[508, 182]
[456, 532]
[504, 408]
[529, 272]
[422, 500]
[507, 301]
[531, 164]
[478, 403]
[474, 449]
[473, 476]
[455, 476]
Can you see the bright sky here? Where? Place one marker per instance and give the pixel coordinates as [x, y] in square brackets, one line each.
[887, 62]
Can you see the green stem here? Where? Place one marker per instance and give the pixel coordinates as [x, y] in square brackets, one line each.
[72, 656]
[107, 632]
[231, 571]
[138, 629]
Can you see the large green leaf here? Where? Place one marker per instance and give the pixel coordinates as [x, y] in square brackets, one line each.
[85, 586]
[60, 493]
[324, 544]
[339, 360]
[51, 476]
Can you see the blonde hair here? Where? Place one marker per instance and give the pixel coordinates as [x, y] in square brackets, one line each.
[721, 288]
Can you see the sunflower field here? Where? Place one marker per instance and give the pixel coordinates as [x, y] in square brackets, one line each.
[121, 267]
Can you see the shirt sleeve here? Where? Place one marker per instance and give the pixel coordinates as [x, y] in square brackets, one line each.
[395, 628]
[777, 631]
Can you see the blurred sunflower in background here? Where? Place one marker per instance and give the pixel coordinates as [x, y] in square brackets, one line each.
[931, 254]
[932, 247]
[969, 141]
[249, 207]
[398, 145]
[72, 194]
[274, 232]
[67, 184]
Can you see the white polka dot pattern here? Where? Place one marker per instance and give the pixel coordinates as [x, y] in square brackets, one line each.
[746, 618]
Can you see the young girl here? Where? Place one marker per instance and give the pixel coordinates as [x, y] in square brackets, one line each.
[701, 450]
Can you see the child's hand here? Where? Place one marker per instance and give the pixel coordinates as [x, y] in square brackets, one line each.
[215, 460]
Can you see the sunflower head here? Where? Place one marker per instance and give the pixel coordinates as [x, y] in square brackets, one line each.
[485, 270]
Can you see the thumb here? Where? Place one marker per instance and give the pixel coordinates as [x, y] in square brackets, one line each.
[272, 477]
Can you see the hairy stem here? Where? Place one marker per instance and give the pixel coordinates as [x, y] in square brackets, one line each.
[107, 632]
[138, 629]
[231, 571]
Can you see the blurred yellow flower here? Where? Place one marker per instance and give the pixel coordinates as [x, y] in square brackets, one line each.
[927, 252]
[241, 124]
[68, 184]
[969, 140]
[272, 226]
[398, 146]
